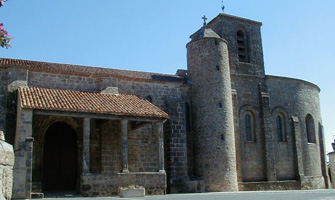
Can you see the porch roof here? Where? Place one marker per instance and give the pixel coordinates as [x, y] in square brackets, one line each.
[88, 102]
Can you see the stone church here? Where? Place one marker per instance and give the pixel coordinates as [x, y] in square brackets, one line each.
[220, 125]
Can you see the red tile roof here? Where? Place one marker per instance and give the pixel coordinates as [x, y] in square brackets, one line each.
[78, 70]
[88, 102]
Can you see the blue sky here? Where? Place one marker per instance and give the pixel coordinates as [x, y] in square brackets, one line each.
[150, 35]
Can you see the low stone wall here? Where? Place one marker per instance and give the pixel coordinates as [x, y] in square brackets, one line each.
[107, 184]
[6, 168]
[271, 185]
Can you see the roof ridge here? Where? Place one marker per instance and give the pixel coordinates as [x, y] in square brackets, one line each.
[88, 102]
[82, 70]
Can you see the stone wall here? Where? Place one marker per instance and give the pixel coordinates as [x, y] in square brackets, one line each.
[111, 147]
[142, 149]
[107, 184]
[273, 185]
[163, 94]
[3, 89]
[6, 168]
[299, 98]
[65, 82]
[251, 153]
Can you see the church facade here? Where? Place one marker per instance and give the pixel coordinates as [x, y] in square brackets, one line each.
[220, 125]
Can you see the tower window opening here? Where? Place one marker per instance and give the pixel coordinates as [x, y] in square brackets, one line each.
[242, 46]
[220, 106]
[217, 68]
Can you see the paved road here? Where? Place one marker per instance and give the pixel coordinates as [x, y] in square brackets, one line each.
[268, 195]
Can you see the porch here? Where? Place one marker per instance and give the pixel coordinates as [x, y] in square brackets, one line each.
[72, 146]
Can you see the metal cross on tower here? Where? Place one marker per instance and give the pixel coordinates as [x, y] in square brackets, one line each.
[222, 7]
[204, 18]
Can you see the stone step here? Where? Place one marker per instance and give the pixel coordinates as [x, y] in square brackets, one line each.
[37, 195]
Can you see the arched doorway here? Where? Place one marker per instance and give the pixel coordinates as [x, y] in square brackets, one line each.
[60, 159]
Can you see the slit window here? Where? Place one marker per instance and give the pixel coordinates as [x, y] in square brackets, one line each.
[249, 127]
[310, 129]
[280, 127]
[149, 98]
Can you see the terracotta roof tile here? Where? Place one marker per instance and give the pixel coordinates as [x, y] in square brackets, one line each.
[78, 70]
[88, 102]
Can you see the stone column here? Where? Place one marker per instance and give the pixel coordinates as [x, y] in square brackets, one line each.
[159, 132]
[124, 145]
[86, 145]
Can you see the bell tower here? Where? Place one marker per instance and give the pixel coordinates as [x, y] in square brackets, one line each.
[244, 43]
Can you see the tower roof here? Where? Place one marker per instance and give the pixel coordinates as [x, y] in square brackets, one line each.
[205, 32]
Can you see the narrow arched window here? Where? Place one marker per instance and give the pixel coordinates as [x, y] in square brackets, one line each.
[242, 46]
[248, 127]
[280, 129]
[310, 129]
[149, 98]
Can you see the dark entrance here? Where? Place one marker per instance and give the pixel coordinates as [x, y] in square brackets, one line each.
[60, 159]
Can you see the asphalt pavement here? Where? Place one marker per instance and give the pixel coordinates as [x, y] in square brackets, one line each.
[254, 195]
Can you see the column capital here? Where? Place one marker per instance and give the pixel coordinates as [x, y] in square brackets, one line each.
[124, 121]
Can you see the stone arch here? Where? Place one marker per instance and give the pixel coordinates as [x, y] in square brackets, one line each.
[310, 129]
[280, 129]
[243, 113]
[41, 123]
